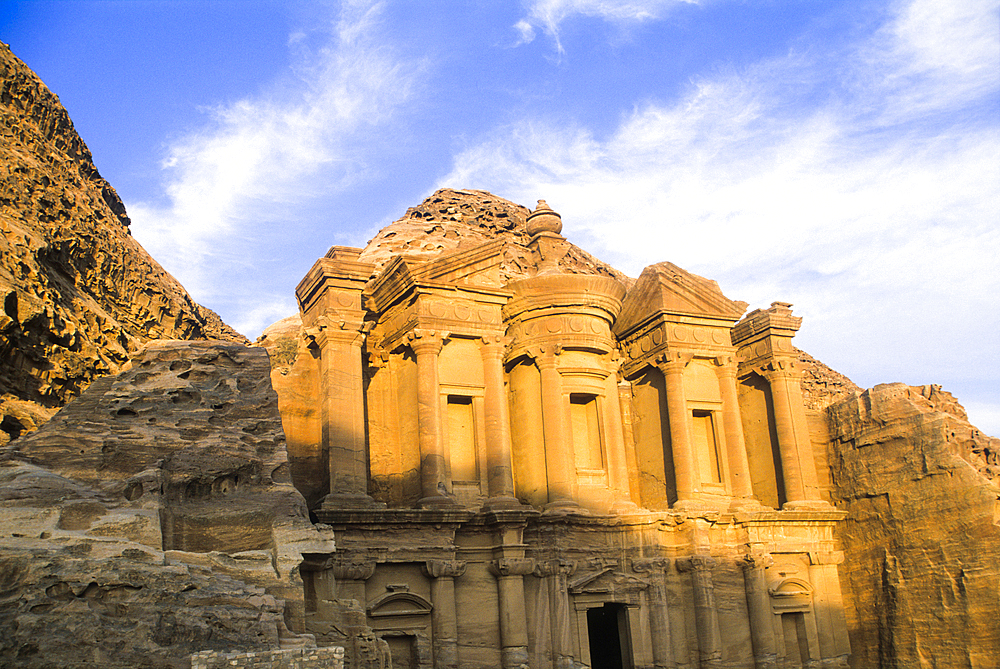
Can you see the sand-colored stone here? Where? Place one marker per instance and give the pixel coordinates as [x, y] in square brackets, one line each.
[78, 295]
[526, 452]
[154, 517]
[922, 535]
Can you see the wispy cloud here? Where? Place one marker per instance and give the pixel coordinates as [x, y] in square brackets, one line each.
[548, 15]
[862, 185]
[255, 156]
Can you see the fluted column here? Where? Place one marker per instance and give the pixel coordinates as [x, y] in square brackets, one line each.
[560, 464]
[797, 463]
[434, 483]
[681, 448]
[739, 466]
[659, 622]
[705, 614]
[499, 468]
[510, 573]
[765, 649]
[444, 616]
[556, 573]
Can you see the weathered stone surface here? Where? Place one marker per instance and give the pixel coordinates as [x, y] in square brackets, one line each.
[79, 295]
[153, 517]
[922, 539]
[452, 219]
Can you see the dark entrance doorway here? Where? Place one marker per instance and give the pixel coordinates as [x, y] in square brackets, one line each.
[607, 628]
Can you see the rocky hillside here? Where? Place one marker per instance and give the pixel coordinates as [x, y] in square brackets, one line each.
[921, 577]
[79, 294]
[153, 517]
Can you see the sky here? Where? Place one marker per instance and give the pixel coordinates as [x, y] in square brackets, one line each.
[843, 156]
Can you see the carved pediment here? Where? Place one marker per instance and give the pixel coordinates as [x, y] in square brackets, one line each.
[607, 580]
[478, 267]
[665, 288]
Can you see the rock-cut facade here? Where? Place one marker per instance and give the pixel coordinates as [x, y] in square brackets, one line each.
[530, 460]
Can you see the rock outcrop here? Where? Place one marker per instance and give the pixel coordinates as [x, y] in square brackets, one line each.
[922, 540]
[154, 517]
[79, 295]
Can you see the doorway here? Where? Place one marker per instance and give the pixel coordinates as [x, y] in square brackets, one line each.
[607, 629]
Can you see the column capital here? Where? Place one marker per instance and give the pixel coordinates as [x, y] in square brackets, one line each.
[672, 361]
[511, 567]
[695, 563]
[826, 557]
[779, 368]
[650, 565]
[726, 365]
[427, 341]
[555, 567]
[752, 561]
[545, 355]
[352, 568]
[447, 568]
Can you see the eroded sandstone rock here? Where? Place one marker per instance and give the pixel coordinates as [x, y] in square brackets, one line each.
[922, 539]
[78, 295]
[154, 517]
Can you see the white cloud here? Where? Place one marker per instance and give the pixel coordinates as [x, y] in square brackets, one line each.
[257, 155]
[873, 209]
[547, 15]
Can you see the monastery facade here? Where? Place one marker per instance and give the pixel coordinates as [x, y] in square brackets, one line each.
[561, 470]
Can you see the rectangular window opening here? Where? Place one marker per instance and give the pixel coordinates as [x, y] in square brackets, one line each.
[705, 443]
[462, 439]
[586, 431]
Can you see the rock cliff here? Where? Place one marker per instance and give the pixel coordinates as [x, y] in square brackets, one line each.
[922, 540]
[153, 517]
[78, 293]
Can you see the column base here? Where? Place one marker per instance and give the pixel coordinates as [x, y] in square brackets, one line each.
[349, 501]
[503, 504]
[437, 502]
[747, 505]
[808, 505]
[564, 507]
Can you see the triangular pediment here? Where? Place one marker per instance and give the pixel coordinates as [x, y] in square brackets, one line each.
[477, 267]
[665, 288]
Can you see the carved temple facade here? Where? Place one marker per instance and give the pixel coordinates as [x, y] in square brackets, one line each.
[560, 470]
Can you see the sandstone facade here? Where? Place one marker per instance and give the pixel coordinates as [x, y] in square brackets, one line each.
[555, 466]
[78, 293]
[154, 517]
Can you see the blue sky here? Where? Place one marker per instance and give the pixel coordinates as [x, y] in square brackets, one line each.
[842, 156]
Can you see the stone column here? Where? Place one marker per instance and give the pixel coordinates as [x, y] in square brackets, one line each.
[765, 648]
[685, 471]
[617, 459]
[556, 573]
[797, 463]
[739, 465]
[435, 486]
[510, 573]
[499, 468]
[350, 575]
[828, 605]
[625, 407]
[705, 614]
[444, 616]
[659, 622]
[560, 464]
[343, 411]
